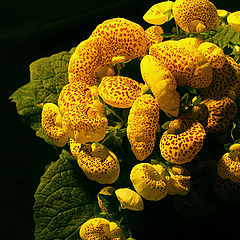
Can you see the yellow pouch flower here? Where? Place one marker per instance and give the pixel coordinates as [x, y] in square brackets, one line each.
[129, 199]
[159, 13]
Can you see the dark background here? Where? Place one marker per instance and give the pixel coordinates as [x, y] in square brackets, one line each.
[30, 30]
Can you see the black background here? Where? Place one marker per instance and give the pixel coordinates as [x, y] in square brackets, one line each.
[30, 30]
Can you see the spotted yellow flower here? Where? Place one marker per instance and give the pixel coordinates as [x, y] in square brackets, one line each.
[178, 181]
[182, 141]
[119, 91]
[124, 37]
[149, 181]
[99, 163]
[187, 64]
[100, 229]
[86, 123]
[142, 126]
[214, 54]
[159, 13]
[195, 15]
[52, 124]
[229, 166]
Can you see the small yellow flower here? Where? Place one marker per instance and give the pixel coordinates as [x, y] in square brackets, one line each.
[142, 126]
[222, 13]
[178, 181]
[187, 64]
[52, 124]
[86, 123]
[149, 181]
[119, 91]
[162, 84]
[182, 141]
[234, 20]
[195, 15]
[100, 229]
[214, 54]
[99, 163]
[159, 13]
[229, 166]
[129, 199]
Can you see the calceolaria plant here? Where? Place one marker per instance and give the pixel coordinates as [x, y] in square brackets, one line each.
[141, 110]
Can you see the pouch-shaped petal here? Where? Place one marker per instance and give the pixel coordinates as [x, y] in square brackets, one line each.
[153, 35]
[75, 147]
[159, 13]
[162, 84]
[99, 163]
[178, 181]
[187, 64]
[234, 20]
[119, 91]
[142, 126]
[74, 94]
[149, 181]
[89, 55]
[86, 123]
[229, 168]
[221, 112]
[225, 81]
[214, 54]
[100, 229]
[195, 15]
[124, 37]
[181, 147]
[52, 124]
[129, 199]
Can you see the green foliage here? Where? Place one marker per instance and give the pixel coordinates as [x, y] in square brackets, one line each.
[48, 76]
[64, 200]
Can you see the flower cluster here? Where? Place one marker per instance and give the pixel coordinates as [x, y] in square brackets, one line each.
[94, 87]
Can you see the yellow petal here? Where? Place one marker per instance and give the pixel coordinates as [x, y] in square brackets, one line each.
[162, 84]
[52, 124]
[142, 126]
[129, 199]
[234, 20]
[119, 91]
[222, 13]
[149, 181]
[99, 229]
[228, 168]
[159, 13]
[100, 165]
[214, 54]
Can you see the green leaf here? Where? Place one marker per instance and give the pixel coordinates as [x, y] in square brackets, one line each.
[24, 99]
[165, 125]
[48, 76]
[223, 36]
[64, 200]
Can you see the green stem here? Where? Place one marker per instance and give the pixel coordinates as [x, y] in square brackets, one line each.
[115, 114]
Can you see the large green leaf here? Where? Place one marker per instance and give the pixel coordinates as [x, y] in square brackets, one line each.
[47, 77]
[63, 201]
